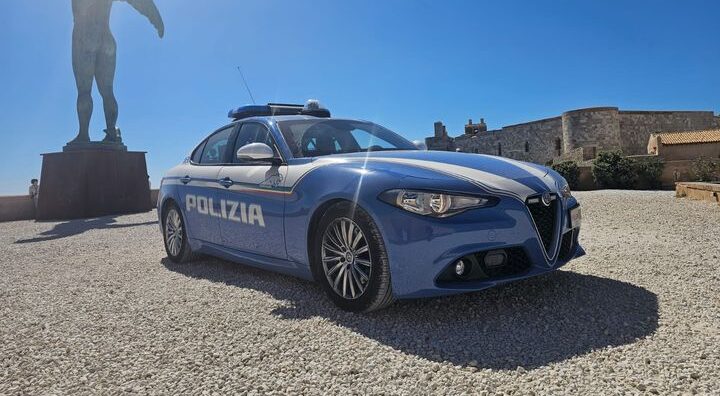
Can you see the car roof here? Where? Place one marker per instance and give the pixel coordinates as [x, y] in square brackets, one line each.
[293, 118]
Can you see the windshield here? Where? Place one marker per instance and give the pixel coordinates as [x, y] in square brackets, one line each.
[316, 137]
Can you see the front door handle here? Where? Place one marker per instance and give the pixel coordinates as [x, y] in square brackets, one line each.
[226, 182]
[185, 180]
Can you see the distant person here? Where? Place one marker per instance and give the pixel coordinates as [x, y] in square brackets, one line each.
[34, 192]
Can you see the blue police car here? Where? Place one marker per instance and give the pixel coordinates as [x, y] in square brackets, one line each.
[363, 211]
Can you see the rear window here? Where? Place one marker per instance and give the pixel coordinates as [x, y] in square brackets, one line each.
[214, 150]
[197, 154]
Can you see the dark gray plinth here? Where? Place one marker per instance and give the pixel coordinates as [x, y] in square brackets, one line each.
[91, 183]
[102, 146]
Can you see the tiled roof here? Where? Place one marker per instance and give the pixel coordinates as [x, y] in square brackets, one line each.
[707, 136]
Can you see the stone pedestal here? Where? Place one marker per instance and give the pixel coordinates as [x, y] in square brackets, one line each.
[92, 146]
[91, 183]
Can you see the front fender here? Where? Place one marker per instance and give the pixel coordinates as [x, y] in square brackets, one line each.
[323, 185]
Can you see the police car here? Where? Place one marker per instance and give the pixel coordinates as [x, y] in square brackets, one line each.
[363, 211]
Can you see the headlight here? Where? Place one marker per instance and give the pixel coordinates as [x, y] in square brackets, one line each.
[565, 190]
[434, 204]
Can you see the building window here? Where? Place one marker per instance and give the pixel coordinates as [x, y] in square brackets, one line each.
[500, 149]
[527, 147]
[558, 146]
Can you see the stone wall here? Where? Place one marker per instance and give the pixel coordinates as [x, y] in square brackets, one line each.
[636, 126]
[482, 143]
[673, 171]
[534, 141]
[582, 132]
[676, 171]
[526, 142]
[575, 154]
[18, 207]
[586, 180]
[688, 151]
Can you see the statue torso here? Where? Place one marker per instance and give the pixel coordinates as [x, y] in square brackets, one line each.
[92, 21]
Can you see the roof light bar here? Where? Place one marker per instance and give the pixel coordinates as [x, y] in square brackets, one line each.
[311, 108]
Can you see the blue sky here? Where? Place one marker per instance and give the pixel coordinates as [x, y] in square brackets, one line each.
[401, 63]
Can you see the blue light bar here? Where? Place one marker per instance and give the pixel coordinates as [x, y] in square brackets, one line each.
[312, 108]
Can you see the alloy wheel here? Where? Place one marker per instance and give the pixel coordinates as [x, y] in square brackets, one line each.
[346, 258]
[173, 232]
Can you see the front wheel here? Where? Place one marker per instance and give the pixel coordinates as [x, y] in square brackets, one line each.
[175, 236]
[350, 260]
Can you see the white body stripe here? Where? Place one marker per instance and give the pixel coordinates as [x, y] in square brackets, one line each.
[549, 182]
[491, 182]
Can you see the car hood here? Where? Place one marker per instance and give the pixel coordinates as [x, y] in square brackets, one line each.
[492, 173]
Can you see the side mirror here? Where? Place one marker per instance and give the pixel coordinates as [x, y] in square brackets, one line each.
[420, 145]
[255, 152]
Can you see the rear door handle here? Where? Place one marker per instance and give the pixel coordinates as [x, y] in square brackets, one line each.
[226, 182]
[185, 180]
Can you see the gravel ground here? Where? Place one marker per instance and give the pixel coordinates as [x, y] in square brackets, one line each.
[93, 307]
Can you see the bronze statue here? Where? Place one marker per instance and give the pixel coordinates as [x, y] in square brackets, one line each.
[93, 58]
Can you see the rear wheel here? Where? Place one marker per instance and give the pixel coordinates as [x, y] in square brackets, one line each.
[350, 260]
[175, 236]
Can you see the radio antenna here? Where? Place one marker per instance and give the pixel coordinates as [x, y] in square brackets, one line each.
[246, 84]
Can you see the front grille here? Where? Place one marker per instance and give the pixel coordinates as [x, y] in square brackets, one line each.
[566, 246]
[517, 263]
[544, 218]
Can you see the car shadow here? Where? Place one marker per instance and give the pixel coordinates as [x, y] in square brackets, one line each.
[79, 226]
[530, 323]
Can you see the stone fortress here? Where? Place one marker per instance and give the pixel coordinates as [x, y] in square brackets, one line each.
[577, 134]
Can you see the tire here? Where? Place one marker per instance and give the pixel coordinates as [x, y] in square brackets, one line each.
[175, 235]
[350, 260]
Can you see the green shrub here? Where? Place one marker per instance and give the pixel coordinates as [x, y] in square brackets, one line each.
[705, 169]
[569, 170]
[648, 171]
[612, 170]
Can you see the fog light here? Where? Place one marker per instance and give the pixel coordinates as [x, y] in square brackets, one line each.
[461, 268]
[495, 258]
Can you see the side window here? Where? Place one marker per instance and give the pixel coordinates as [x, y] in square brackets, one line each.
[253, 133]
[197, 154]
[214, 151]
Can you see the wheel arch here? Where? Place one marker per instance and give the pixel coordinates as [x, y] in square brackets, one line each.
[165, 205]
[162, 210]
[315, 222]
[383, 294]
[317, 215]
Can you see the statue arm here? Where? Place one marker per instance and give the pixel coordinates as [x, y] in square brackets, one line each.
[149, 10]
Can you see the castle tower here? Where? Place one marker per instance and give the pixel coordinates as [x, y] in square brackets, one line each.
[591, 129]
[440, 130]
[474, 129]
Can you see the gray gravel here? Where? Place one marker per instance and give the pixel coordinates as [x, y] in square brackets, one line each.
[93, 307]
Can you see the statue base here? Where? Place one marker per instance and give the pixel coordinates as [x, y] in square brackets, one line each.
[103, 146]
[83, 183]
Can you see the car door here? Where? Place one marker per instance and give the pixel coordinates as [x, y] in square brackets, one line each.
[253, 198]
[199, 188]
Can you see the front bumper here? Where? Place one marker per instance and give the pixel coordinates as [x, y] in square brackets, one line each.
[420, 248]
